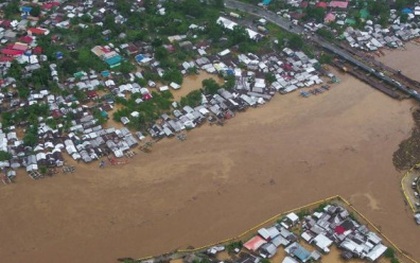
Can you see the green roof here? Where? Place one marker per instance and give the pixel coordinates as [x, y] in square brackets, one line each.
[79, 74]
[364, 13]
[114, 61]
[350, 21]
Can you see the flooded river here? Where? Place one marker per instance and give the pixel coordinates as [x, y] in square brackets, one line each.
[220, 181]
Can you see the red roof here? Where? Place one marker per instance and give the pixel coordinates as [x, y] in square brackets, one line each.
[26, 39]
[5, 23]
[321, 4]
[339, 4]
[11, 52]
[5, 59]
[37, 31]
[147, 96]
[56, 114]
[339, 230]
[20, 46]
[37, 50]
[254, 243]
[91, 94]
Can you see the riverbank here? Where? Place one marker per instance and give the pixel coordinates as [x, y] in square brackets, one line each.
[220, 181]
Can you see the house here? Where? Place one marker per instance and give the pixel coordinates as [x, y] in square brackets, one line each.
[37, 31]
[254, 243]
[338, 4]
[299, 252]
[322, 242]
[293, 218]
[174, 85]
[268, 250]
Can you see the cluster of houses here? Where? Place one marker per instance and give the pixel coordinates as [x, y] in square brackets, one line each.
[372, 36]
[85, 139]
[310, 238]
[375, 37]
[291, 70]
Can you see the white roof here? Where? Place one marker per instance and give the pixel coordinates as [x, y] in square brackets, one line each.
[224, 52]
[289, 260]
[175, 85]
[263, 232]
[376, 252]
[306, 236]
[293, 217]
[322, 242]
[163, 88]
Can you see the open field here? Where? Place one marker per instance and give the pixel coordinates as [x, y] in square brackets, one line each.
[220, 181]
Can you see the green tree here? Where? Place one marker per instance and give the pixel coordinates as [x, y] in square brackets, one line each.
[210, 86]
[238, 35]
[325, 58]
[296, 42]
[229, 82]
[36, 11]
[31, 136]
[126, 67]
[15, 70]
[11, 9]
[389, 253]
[270, 78]
[5, 156]
[173, 75]
[219, 4]
[403, 18]
[192, 99]
[327, 34]
[161, 53]
[316, 13]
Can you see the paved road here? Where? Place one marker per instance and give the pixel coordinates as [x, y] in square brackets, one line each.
[297, 29]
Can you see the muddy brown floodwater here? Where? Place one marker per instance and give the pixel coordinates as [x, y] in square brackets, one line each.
[194, 82]
[220, 181]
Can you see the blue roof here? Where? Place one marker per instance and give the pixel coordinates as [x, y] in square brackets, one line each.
[139, 57]
[26, 9]
[407, 11]
[300, 252]
[266, 2]
[105, 73]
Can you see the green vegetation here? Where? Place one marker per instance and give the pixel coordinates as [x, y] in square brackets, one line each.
[302, 213]
[192, 99]
[325, 58]
[321, 207]
[173, 75]
[389, 253]
[270, 78]
[234, 245]
[149, 110]
[5, 156]
[11, 10]
[210, 86]
[325, 33]
[296, 42]
[36, 11]
[31, 136]
[315, 13]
